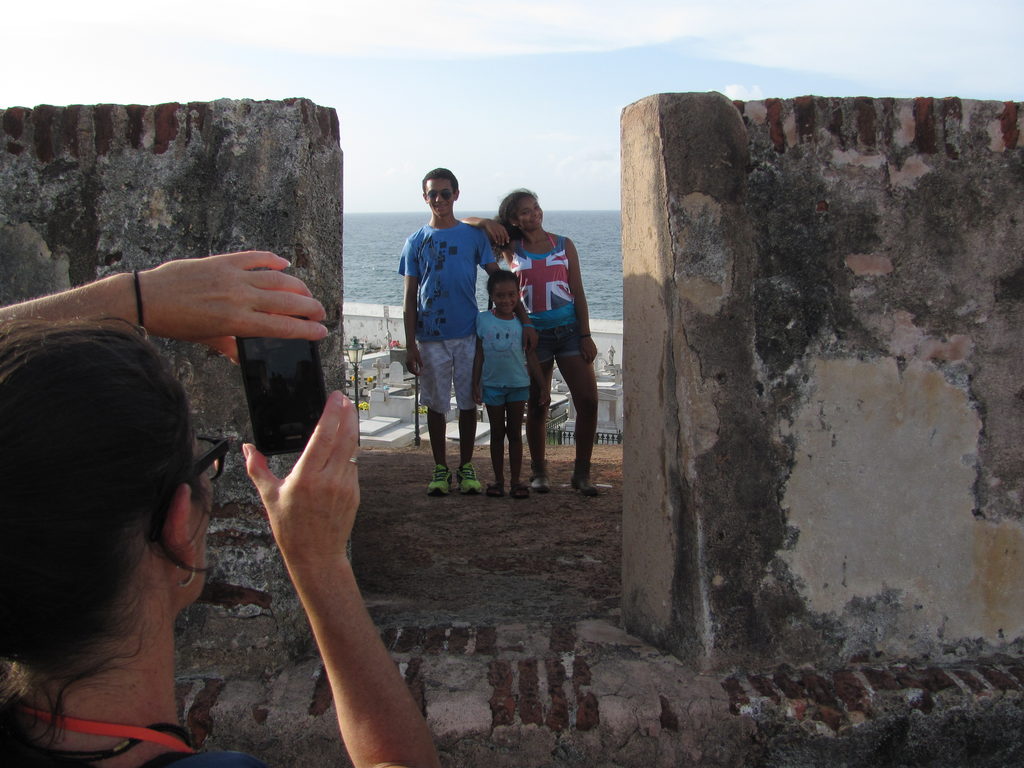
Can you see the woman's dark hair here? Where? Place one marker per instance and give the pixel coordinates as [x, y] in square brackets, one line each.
[95, 436]
[500, 276]
[507, 209]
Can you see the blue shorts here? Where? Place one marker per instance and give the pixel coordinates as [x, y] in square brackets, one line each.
[504, 395]
[562, 341]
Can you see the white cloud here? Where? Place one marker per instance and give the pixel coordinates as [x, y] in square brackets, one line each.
[878, 40]
[402, 28]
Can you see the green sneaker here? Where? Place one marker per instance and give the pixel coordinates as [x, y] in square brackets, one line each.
[467, 479]
[441, 482]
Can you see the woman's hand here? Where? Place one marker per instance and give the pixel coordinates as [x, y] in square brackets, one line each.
[544, 398]
[312, 510]
[588, 349]
[214, 299]
[496, 232]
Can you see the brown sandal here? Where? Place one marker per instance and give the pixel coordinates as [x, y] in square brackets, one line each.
[495, 491]
[520, 491]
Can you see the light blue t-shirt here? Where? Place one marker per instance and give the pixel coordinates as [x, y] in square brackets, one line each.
[504, 359]
[445, 261]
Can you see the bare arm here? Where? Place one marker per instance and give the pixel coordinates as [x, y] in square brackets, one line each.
[533, 366]
[311, 514]
[410, 306]
[210, 300]
[478, 369]
[588, 349]
[496, 232]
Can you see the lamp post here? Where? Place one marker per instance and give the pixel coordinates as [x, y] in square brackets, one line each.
[416, 408]
[354, 353]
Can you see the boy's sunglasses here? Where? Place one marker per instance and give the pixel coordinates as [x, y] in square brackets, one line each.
[446, 194]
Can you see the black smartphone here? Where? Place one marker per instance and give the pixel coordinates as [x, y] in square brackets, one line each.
[284, 386]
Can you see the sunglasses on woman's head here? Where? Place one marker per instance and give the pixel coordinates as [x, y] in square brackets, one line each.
[210, 463]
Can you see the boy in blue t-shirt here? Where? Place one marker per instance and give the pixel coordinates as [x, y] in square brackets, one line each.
[439, 264]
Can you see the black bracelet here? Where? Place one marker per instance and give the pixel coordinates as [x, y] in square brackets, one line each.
[584, 335]
[138, 298]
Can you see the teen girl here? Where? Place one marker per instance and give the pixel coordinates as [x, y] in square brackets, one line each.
[501, 380]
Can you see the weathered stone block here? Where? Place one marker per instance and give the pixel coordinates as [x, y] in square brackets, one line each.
[823, 337]
[86, 191]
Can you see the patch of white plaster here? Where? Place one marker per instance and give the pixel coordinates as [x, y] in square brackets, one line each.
[158, 215]
[703, 294]
[908, 340]
[702, 277]
[853, 157]
[905, 135]
[998, 550]
[756, 112]
[905, 336]
[914, 167]
[28, 266]
[884, 502]
[864, 264]
[789, 129]
[955, 349]
[996, 140]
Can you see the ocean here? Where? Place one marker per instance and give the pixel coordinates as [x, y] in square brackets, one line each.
[373, 245]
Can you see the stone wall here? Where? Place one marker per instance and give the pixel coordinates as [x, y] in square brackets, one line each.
[828, 295]
[86, 191]
[823, 300]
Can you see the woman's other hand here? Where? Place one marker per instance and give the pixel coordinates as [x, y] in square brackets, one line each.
[312, 510]
[588, 349]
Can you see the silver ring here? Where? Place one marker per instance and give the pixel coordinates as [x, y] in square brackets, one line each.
[353, 459]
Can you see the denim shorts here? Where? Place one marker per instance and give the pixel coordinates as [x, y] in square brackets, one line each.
[505, 395]
[563, 341]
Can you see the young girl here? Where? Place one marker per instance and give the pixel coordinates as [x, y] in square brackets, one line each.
[501, 380]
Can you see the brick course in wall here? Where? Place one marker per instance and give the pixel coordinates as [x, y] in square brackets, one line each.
[50, 132]
[868, 123]
[847, 697]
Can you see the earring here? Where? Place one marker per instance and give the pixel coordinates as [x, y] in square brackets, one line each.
[191, 577]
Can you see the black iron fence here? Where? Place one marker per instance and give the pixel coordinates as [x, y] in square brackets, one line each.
[557, 434]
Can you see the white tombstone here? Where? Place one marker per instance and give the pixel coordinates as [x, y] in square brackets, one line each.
[396, 374]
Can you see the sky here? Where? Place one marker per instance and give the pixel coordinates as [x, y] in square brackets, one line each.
[506, 95]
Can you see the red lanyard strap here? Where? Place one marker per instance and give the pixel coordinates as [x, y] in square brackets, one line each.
[118, 730]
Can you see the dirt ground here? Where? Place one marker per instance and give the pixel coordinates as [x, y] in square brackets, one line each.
[424, 560]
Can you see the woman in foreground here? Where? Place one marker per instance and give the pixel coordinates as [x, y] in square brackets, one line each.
[106, 496]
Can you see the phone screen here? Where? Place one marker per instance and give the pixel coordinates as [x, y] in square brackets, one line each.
[284, 386]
